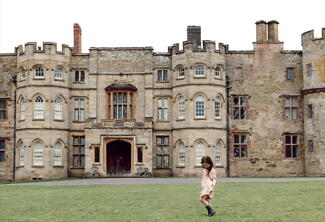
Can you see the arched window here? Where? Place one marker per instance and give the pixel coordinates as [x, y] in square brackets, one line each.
[217, 107]
[181, 72]
[57, 154]
[21, 153]
[39, 72]
[199, 70]
[22, 73]
[38, 154]
[199, 152]
[39, 108]
[218, 154]
[181, 107]
[58, 73]
[181, 154]
[199, 107]
[217, 72]
[58, 108]
[22, 109]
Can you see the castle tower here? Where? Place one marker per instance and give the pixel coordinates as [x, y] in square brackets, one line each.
[314, 102]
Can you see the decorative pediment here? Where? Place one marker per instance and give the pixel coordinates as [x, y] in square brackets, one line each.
[121, 86]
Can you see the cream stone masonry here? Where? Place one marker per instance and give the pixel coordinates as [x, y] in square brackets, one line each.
[133, 112]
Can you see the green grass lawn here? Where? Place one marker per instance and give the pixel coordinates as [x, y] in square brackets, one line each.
[276, 201]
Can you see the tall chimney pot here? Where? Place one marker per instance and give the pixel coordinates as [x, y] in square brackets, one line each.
[76, 38]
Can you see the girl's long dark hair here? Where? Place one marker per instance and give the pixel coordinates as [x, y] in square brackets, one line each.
[207, 159]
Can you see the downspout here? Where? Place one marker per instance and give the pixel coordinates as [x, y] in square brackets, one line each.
[227, 127]
[14, 79]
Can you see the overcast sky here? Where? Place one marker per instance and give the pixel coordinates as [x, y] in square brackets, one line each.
[154, 23]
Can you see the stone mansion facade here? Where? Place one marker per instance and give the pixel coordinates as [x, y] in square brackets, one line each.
[130, 111]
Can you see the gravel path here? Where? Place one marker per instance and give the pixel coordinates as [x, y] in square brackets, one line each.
[124, 181]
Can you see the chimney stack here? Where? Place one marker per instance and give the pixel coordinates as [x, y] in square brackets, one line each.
[261, 31]
[194, 35]
[273, 31]
[76, 38]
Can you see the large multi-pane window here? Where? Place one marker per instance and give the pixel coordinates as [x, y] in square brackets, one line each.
[57, 154]
[218, 154]
[163, 109]
[162, 75]
[39, 72]
[181, 107]
[291, 105]
[199, 152]
[22, 109]
[38, 154]
[58, 108]
[39, 108]
[58, 73]
[79, 76]
[181, 154]
[217, 108]
[162, 152]
[239, 107]
[291, 143]
[2, 150]
[79, 109]
[78, 151]
[3, 109]
[240, 145]
[199, 70]
[199, 107]
[121, 105]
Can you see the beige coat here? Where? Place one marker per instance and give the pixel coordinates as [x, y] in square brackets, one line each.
[208, 183]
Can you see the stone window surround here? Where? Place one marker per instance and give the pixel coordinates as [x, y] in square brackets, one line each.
[160, 79]
[232, 143]
[298, 144]
[162, 153]
[299, 106]
[4, 110]
[131, 107]
[293, 73]
[231, 107]
[79, 154]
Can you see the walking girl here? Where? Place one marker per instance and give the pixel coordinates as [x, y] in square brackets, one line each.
[208, 183]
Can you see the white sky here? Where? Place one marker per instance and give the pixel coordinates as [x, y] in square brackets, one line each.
[156, 23]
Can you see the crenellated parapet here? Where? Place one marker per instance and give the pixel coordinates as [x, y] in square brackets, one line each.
[48, 48]
[190, 46]
[308, 37]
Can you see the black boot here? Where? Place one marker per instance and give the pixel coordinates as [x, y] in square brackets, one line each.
[211, 212]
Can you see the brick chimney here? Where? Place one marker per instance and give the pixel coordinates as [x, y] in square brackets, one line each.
[76, 38]
[194, 35]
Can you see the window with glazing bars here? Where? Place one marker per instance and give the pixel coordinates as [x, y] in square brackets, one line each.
[291, 108]
[78, 151]
[291, 146]
[240, 145]
[162, 152]
[239, 107]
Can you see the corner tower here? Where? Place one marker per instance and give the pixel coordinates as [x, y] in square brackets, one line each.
[314, 102]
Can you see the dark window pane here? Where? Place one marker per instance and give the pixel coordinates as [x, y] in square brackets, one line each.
[236, 113]
[114, 98]
[82, 76]
[288, 151]
[2, 144]
[2, 156]
[75, 161]
[114, 112]
[76, 76]
[236, 99]
[242, 101]
[243, 139]
[242, 113]
[3, 104]
[294, 139]
[295, 151]
[125, 98]
[82, 140]
[243, 151]
[236, 138]
[288, 139]
[3, 114]
[236, 151]
[97, 155]
[139, 155]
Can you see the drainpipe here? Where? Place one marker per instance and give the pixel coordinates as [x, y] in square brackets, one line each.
[228, 87]
[14, 80]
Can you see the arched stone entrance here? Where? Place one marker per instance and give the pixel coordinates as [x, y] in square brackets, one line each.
[118, 156]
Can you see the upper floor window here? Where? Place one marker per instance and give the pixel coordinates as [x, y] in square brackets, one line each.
[291, 146]
[58, 73]
[79, 109]
[290, 73]
[22, 73]
[38, 154]
[218, 154]
[2, 150]
[22, 109]
[199, 107]
[217, 72]
[162, 75]
[291, 108]
[217, 108]
[181, 72]
[309, 69]
[39, 108]
[79, 76]
[162, 153]
[57, 154]
[239, 107]
[181, 154]
[163, 109]
[181, 107]
[240, 145]
[39, 72]
[199, 71]
[199, 152]
[58, 108]
[310, 146]
[78, 151]
[310, 111]
[3, 109]
[121, 104]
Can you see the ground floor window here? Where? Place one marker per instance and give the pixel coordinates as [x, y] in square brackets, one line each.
[240, 145]
[2, 150]
[162, 152]
[291, 146]
[140, 154]
[78, 151]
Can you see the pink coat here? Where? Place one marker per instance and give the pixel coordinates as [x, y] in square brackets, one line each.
[208, 183]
